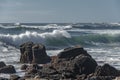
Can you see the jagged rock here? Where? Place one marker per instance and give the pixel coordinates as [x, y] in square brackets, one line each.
[72, 52]
[2, 64]
[84, 65]
[24, 67]
[106, 70]
[8, 69]
[14, 77]
[33, 53]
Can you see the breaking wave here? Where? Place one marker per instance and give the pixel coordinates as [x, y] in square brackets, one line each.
[59, 38]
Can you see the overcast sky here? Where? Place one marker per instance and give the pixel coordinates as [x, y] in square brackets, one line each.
[59, 11]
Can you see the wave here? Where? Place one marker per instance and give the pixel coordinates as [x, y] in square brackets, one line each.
[97, 25]
[29, 27]
[59, 38]
[36, 37]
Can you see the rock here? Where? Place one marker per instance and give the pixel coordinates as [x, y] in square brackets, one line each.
[1, 78]
[99, 78]
[106, 70]
[39, 54]
[2, 64]
[72, 52]
[8, 69]
[34, 66]
[14, 77]
[24, 67]
[32, 70]
[26, 52]
[84, 65]
[33, 53]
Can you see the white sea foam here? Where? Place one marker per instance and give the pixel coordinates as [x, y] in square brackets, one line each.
[33, 36]
[50, 26]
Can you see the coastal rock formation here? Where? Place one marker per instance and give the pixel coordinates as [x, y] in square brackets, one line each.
[2, 64]
[106, 70]
[8, 69]
[33, 53]
[72, 52]
[67, 65]
[73, 63]
[24, 67]
[14, 77]
[39, 54]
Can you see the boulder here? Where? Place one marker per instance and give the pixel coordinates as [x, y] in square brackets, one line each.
[24, 67]
[1, 78]
[72, 52]
[84, 65]
[2, 64]
[8, 69]
[34, 66]
[33, 53]
[26, 52]
[14, 77]
[106, 70]
[39, 54]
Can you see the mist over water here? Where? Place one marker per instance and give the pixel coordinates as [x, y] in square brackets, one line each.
[101, 40]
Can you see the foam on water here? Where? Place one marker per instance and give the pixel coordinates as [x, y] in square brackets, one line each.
[33, 36]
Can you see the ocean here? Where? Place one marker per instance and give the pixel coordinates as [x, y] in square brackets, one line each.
[101, 40]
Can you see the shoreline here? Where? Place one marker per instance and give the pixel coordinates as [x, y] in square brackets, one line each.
[67, 59]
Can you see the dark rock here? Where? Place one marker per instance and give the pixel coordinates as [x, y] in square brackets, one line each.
[99, 78]
[84, 65]
[2, 64]
[1, 78]
[32, 70]
[39, 54]
[106, 70]
[24, 67]
[72, 52]
[34, 66]
[81, 77]
[14, 77]
[33, 53]
[26, 52]
[8, 69]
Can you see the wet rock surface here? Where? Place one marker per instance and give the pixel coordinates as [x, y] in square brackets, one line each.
[33, 53]
[8, 69]
[73, 63]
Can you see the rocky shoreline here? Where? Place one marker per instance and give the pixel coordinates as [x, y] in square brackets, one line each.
[73, 63]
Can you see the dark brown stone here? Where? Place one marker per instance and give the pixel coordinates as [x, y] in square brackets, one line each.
[72, 52]
[33, 53]
[39, 54]
[24, 67]
[14, 77]
[84, 65]
[106, 70]
[26, 52]
[2, 64]
[8, 69]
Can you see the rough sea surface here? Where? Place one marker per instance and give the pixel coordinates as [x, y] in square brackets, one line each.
[101, 40]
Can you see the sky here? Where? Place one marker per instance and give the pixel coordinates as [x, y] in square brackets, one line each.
[59, 11]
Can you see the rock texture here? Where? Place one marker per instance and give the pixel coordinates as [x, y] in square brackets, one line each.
[73, 63]
[33, 53]
[8, 69]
